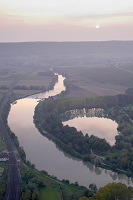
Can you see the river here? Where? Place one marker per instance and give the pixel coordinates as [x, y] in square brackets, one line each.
[45, 154]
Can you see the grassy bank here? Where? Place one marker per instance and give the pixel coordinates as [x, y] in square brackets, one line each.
[49, 187]
[2, 146]
[3, 171]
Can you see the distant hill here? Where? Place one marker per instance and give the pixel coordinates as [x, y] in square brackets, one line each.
[48, 49]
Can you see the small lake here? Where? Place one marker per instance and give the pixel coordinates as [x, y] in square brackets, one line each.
[46, 155]
[92, 122]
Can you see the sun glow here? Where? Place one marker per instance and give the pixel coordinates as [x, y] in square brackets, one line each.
[61, 15]
[97, 26]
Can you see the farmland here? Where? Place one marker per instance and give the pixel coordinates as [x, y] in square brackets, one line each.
[101, 80]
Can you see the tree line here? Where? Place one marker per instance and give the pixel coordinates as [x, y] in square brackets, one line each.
[48, 120]
[112, 191]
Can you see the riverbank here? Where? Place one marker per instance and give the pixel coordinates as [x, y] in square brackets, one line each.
[12, 187]
[56, 161]
[51, 187]
[19, 94]
[52, 184]
[52, 128]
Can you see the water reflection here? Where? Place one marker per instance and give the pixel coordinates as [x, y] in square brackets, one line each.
[45, 154]
[58, 88]
[93, 112]
[92, 121]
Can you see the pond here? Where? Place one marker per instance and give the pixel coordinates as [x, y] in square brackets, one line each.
[93, 122]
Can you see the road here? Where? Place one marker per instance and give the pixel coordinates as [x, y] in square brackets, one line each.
[117, 65]
[13, 189]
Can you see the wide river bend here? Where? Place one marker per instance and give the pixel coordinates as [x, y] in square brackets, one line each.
[45, 154]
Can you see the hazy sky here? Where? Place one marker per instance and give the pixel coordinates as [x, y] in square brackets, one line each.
[66, 20]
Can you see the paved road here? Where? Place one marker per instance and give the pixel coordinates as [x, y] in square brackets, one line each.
[13, 189]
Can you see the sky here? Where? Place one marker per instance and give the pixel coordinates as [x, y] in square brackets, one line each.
[66, 20]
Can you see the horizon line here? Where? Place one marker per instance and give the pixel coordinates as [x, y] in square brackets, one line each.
[37, 41]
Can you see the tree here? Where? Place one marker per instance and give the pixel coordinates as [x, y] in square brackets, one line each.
[93, 187]
[83, 198]
[113, 191]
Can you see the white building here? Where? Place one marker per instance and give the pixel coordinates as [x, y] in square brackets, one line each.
[3, 157]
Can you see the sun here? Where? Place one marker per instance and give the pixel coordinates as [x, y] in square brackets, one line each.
[97, 26]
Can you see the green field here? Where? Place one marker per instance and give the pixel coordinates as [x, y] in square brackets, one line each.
[99, 79]
[129, 107]
[2, 147]
[53, 188]
[49, 193]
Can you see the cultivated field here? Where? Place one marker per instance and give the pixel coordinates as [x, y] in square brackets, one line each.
[23, 72]
[103, 80]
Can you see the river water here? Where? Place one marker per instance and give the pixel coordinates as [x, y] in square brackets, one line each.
[46, 155]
